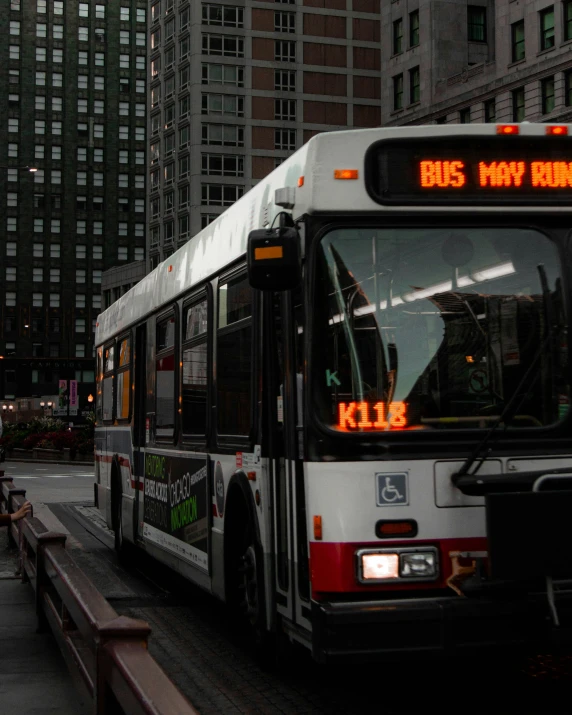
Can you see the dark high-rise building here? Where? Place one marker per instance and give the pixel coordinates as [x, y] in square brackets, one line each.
[73, 106]
[237, 86]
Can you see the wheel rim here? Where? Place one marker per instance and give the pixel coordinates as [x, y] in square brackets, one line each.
[249, 584]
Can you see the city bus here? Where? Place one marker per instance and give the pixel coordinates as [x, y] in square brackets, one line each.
[343, 407]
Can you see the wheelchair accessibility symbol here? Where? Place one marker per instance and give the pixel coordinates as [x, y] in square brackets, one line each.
[392, 489]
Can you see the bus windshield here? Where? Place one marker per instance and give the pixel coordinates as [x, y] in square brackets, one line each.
[438, 329]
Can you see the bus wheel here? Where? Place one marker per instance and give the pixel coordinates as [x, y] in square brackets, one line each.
[245, 576]
[249, 586]
[117, 516]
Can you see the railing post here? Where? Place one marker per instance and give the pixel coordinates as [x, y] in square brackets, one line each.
[120, 629]
[42, 581]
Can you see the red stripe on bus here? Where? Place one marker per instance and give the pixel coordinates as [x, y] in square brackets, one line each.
[333, 565]
[123, 462]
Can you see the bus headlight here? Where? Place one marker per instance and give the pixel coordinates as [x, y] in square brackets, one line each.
[379, 566]
[422, 564]
[397, 564]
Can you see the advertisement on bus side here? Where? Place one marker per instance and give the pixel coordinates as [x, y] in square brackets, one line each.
[175, 511]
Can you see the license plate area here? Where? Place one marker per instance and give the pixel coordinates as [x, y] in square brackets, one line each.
[530, 535]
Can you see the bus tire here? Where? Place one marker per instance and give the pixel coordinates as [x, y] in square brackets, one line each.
[244, 571]
[117, 510]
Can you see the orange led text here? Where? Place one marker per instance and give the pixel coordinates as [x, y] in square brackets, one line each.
[551, 173]
[501, 173]
[444, 174]
[362, 415]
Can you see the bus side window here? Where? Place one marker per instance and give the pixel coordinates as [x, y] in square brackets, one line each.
[99, 387]
[108, 367]
[195, 370]
[234, 358]
[165, 379]
[123, 380]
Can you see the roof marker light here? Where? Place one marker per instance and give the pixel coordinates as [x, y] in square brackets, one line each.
[557, 130]
[346, 173]
[507, 129]
[300, 181]
[170, 269]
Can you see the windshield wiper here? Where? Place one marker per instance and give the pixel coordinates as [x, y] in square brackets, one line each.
[548, 337]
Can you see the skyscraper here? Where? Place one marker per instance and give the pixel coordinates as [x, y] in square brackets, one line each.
[236, 87]
[74, 108]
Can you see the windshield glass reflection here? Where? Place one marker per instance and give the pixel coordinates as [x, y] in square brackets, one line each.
[437, 328]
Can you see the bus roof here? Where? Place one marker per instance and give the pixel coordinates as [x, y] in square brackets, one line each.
[309, 174]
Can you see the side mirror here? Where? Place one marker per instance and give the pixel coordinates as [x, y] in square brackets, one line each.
[273, 258]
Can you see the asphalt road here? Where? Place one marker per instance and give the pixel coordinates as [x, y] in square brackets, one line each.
[46, 483]
[196, 643]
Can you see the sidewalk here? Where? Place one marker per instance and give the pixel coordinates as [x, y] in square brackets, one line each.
[34, 679]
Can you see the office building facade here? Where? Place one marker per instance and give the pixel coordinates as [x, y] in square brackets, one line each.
[509, 61]
[74, 108]
[235, 87]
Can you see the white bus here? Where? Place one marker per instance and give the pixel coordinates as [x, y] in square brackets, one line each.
[343, 407]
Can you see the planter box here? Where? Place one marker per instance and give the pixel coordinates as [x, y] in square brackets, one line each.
[46, 455]
[19, 452]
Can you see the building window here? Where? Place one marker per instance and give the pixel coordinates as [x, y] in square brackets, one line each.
[398, 92]
[414, 85]
[11, 248]
[284, 51]
[224, 135]
[285, 109]
[285, 80]
[11, 299]
[225, 45]
[476, 23]
[224, 104]
[568, 88]
[284, 22]
[567, 30]
[223, 15]
[58, 32]
[465, 115]
[547, 89]
[220, 194]
[14, 53]
[285, 139]
[414, 28]
[222, 165]
[517, 41]
[518, 104]
[38, 275]
[397, 36]
[54, 275]
[547, 28]
[38, 250]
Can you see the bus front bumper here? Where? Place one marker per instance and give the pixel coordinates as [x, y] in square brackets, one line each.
[446, 626]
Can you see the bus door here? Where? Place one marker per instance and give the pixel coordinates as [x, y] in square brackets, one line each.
[285, 374]
[139, 419]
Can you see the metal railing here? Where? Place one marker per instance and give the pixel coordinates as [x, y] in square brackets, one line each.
[106, 653]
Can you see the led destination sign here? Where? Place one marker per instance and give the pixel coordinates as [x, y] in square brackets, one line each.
[471, 169]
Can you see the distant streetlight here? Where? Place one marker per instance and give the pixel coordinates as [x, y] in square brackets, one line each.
[90, 398]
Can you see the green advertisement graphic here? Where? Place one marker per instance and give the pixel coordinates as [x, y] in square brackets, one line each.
[176, 498]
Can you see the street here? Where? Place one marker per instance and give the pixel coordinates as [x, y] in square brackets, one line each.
[195, 642]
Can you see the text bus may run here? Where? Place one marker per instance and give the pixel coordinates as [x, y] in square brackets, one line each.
[344, 405]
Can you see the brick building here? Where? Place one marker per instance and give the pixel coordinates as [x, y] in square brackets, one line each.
[238, 86]
[74, 107]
